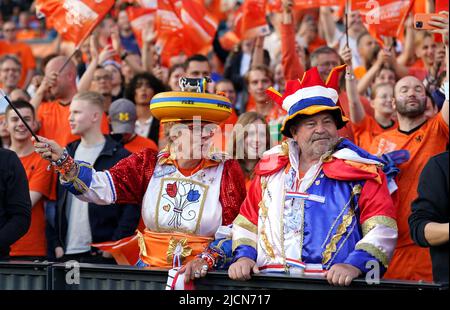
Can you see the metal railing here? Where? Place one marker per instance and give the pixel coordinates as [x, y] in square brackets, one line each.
[57, 276]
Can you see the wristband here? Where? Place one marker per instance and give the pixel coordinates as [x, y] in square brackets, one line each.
[66, 166]
[61, 160]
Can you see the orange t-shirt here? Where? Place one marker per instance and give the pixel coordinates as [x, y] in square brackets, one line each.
[26, 34]
[250, 106]
[204, 163]
[34, 243]
[24, 53]
[365, 131]
[139, 143]
[347, 131]
[54, 119]
[411, 261]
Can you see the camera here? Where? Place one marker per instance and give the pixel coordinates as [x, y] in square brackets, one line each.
[419, 24]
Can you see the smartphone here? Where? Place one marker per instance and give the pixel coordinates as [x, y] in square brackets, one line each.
[421, 20]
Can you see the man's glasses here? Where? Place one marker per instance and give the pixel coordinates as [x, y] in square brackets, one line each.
[10, 69]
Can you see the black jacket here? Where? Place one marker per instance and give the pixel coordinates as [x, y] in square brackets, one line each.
[108, 223]
[153, 133]
[432, 206]
[15, 203]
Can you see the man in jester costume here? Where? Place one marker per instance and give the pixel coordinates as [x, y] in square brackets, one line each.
[319, 205]
[189, 196]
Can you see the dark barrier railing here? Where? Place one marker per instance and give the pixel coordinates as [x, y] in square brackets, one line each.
[57, 276]
[25, 276]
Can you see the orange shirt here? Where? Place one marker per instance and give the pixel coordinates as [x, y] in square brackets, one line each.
[418, 64]
[365, 131]
[139, 143]
[274, 115]
[428, 140]
[34, 243]
[26, 34]
[54, 119]
[24, 53]
[292, 67]
[204, 163]
[347, 131]
[250, 106]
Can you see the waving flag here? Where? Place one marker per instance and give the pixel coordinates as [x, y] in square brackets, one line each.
[169, 31]
[140, 18]
[275, 5]
[183, 26]
[249, 22]
[74, 19]
[198, 24]
[309, 4]
[253, 22]
[387, 19]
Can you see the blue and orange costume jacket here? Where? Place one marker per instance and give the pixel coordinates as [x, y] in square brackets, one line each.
[340, 211]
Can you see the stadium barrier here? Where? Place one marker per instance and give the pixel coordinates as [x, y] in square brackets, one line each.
[62, 276]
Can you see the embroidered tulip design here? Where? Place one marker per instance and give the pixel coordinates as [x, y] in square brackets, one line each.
[193, 195]
[171, 189]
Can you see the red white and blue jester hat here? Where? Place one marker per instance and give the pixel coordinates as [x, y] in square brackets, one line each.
[310, 96]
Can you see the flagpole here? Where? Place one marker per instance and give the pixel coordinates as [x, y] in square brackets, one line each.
[68, 60]
[77, 49]
[346, 23]
[18, 114]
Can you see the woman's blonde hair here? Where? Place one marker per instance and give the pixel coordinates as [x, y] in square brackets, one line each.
[420, 36]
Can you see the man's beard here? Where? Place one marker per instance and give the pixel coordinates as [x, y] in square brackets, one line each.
[321, 149]
[411, 112]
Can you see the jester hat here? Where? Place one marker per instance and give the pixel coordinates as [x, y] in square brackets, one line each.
[310, 96]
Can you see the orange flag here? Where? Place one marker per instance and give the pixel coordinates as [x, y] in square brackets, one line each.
[140, 18]
[309, 4]
[125, 251]
[249, 21]
[169, 31]
[183, 26]
[275, 5]
[74, 19]
[253, 23]
[441, 5]
[387, 19]
[199, 25]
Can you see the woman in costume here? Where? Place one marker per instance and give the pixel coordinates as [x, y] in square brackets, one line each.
[188, 195]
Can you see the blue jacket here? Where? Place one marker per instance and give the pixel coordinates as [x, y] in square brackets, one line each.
[108, 223]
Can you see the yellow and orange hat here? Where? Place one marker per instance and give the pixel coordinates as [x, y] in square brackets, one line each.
[192, 102]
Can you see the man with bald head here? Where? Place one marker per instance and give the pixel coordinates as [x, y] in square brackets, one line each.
[423, 138]
[61, 88]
